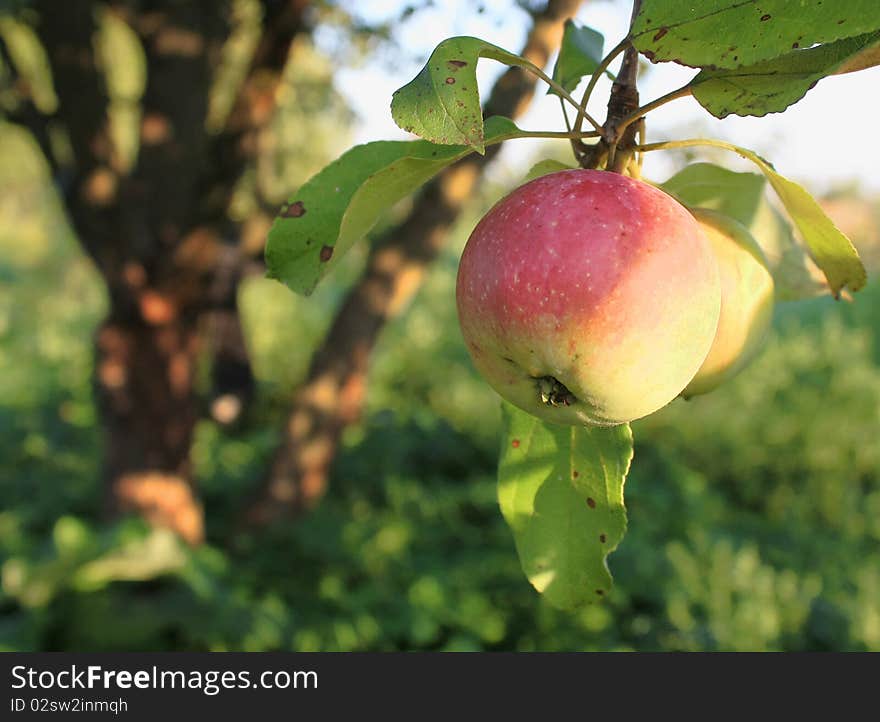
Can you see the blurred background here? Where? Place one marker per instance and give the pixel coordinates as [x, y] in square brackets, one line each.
[193, 458]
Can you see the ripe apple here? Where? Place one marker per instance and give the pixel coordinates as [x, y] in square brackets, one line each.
[586, 297]
[746, 301]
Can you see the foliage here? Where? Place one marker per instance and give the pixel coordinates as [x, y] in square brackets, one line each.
[753, 512]
[672, 30]
[579, 55]
[757, 90]
[771, 61]
[339, 205]
[557, 486]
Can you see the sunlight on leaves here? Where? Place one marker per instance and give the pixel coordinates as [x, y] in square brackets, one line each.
[691, 33]
[773, 85]
[741, 196]
[340, 204]
[442, 103]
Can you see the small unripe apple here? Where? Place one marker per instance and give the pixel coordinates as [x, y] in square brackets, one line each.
[586, 297]
[746, 301]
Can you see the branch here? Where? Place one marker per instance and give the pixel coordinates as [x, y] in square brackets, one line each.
[333, 393]
[640, 113]
[615, 148]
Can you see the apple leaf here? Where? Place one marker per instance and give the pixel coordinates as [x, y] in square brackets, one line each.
[833, 252]
[545, 167]
[772, 85]
[733, 33]
[738, 195]
[561, 492]
[579, 55]
[339, 205]
[742, 196]
[442, 103]
[867, 57]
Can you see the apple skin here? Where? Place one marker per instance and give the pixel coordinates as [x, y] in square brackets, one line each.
[586, 297]
[747, 298]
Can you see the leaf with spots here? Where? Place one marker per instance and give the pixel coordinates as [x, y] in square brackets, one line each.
[579, 55]
[442, 103]
[339, 205]
[752, 30]
[561, 492]
[773, 85]
[742, 196]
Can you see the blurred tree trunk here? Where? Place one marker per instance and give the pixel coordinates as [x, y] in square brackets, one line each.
[158, 228]
[144, 389]
[333, 393]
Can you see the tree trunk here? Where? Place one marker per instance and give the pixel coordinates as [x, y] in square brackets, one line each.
[159, 231]
[333, 393]
[144, 389]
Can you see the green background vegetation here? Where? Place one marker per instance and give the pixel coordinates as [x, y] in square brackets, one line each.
[754, 512]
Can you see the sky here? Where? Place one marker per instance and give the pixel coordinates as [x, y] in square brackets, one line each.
[827, 140]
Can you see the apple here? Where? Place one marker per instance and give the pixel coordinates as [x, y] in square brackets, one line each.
[587, 297]
[747, 297]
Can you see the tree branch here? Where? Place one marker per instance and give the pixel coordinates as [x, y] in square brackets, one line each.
[624, 101]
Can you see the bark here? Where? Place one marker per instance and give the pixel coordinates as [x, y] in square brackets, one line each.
[159, 233]
[144, 389]
[333, 393]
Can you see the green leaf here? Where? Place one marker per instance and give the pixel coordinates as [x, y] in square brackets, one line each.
[833, 252]
[732, 33]
[545, 167]
[579, 55]
[339, 205]
[742, 196]
[738, 195]
[867, 57]
[773, 85]
[561, 492]
[442, 103]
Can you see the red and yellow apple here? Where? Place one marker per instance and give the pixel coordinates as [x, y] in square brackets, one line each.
[586, 297]
[746, 301]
